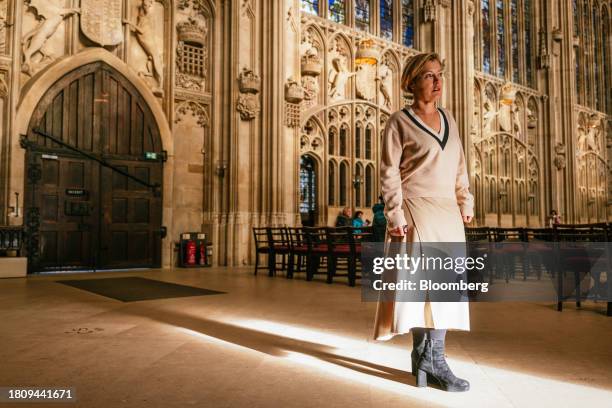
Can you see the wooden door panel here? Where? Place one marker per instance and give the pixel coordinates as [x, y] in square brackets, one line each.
[66, 240]
[130, 233]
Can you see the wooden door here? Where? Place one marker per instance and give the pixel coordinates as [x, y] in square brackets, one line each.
[90, 196]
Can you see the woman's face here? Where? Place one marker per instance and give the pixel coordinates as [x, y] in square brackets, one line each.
[428, 86]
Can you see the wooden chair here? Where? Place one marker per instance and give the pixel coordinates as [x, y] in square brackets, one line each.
[298, 250]
[317, 252]
[511, 246]
[262, 246]
[278, 237]
[572, 255]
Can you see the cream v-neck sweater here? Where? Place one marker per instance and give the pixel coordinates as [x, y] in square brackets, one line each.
[416, 163]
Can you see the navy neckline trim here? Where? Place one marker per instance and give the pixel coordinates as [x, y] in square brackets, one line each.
[416, 122]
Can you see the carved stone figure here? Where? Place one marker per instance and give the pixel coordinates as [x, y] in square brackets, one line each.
[489, 115]
[50, 16]
[385, 77]
[311, 89]
[338, 76]
[516, 122]
[145, 34]
[248, 106]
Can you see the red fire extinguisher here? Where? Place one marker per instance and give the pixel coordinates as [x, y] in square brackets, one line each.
[202, 253]
[191, 252]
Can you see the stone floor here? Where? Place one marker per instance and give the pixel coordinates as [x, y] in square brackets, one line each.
[273, 342]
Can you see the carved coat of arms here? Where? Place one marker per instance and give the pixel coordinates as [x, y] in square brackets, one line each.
[101, 21]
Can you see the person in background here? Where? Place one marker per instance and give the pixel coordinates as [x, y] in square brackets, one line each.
[379, 222]
[344, 218]
[554, 218]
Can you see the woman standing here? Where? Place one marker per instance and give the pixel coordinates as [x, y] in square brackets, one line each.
[425, 184]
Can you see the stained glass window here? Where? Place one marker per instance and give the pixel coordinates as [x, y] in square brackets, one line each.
[386, 19]
[486, 36]
[515, 50]
[310, 6]
[596, 56]
[606, 56]
[528, 42]
[408, 23]
[307, 184]
[575, 10]
[501, 49]
[337, 11]
[362, 15]
[585, 45]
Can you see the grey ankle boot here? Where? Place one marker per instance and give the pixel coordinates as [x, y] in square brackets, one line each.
[418, 345]
[432, 367]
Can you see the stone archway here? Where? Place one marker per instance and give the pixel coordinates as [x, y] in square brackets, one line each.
[35, 96]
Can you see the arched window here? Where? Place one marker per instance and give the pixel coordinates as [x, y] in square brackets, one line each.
[310, 6]
[362, 15]
[486, 35]
[501, 49]
[529, 42]
[343, 147]
[337, 11]
[343, 182]
[386, 19]
[368, 143]
[331, 190]
[331, 142]
[308, 189]
[514, 41]
[408, 23]
[369, 183]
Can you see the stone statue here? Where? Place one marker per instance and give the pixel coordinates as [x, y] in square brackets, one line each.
[145, 34]
[383, 78]
[338, 78]
[489, 115]
[516, 119]
[50, 16]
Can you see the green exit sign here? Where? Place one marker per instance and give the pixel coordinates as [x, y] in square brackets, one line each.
[151, 156]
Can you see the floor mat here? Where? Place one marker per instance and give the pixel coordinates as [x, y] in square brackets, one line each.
[133, 288]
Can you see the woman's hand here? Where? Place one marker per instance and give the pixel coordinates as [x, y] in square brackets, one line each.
[467, 219]
[397, 232]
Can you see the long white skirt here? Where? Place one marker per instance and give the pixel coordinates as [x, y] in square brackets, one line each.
[429, 220]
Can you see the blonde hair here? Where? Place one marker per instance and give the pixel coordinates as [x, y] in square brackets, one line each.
[414, 68]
